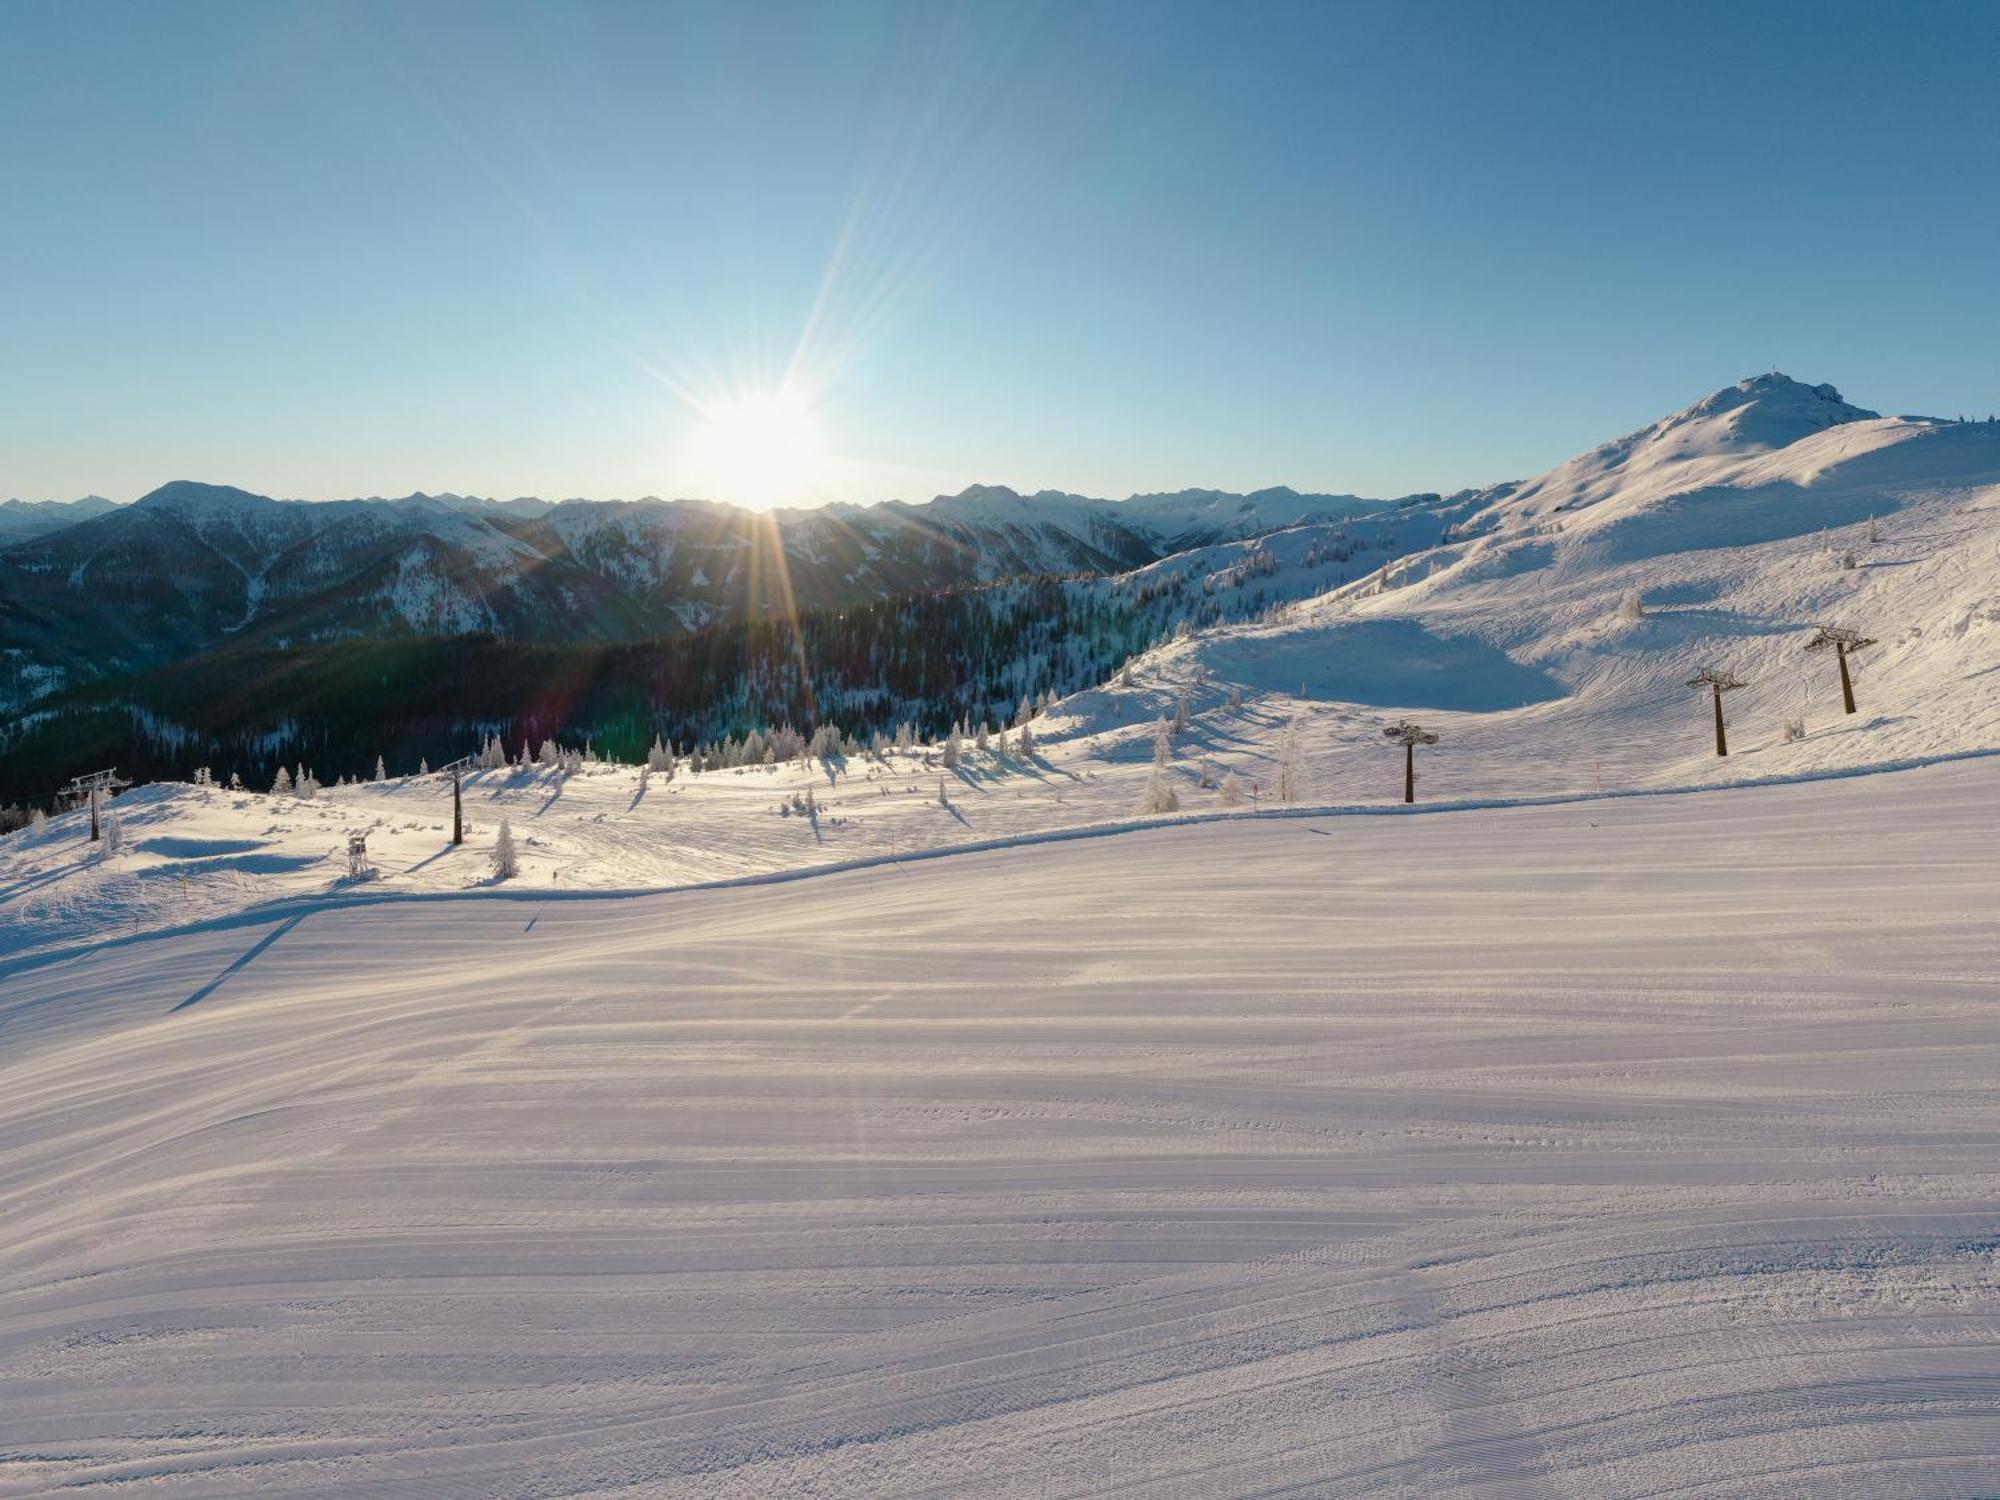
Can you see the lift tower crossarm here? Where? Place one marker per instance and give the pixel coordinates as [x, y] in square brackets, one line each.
[1721, 681]
[1843, 643]
[1410, 736]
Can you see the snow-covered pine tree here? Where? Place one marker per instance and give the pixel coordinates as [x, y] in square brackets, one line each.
[424, 766]
[952, 749]
[281, 783]
[1159, 797]
[1163, 740]
[1231, 790]
[1027, 742]
[506, 861]
[1181, 714]
[981, 741]
[381, 771]
[1236, 697]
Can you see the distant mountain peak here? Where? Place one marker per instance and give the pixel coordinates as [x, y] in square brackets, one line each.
[1767, 411]
[193, 494]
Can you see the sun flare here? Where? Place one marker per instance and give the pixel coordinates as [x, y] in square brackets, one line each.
[761, 449]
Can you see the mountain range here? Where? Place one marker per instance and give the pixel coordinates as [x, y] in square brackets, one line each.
[213, 575]
[193, 566]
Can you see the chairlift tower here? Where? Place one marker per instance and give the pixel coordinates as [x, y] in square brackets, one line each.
[456, 771]
[1720, 681]
[92, 788]
[1410, 736]
[1842, 643]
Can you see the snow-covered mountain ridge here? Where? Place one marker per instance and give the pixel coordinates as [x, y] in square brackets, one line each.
[191, 566]
[1549, 644]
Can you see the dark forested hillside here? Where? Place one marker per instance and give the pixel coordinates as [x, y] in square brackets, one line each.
[928, 660]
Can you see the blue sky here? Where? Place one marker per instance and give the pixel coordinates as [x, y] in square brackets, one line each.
[330, 249]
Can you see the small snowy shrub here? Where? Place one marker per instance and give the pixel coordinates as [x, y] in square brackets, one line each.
[1795, 729]
[1291, 775]
[1632, 607]
[1232, 790]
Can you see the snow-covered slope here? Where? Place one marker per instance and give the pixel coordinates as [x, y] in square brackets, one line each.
[1629, 1140]
[1516, 639]
[1511, 637]
[1608, 1150]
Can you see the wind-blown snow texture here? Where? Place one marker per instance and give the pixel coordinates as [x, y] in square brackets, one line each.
[1612, 1149]
[1641, 1143]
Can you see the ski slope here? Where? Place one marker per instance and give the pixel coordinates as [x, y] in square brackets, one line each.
[1634, 1147]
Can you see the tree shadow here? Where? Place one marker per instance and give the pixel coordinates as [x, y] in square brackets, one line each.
[242, 962]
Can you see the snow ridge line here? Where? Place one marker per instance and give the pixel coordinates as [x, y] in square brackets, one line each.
[335, 901]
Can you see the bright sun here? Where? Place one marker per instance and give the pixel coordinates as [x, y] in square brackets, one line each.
[760, 449]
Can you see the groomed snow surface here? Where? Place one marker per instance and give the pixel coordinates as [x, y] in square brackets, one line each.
[1647, 1146]
[1644, 1142]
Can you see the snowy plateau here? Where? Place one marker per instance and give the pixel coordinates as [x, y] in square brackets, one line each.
[1619, 1120]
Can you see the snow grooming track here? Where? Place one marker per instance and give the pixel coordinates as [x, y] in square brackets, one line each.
[1204, 1162]
[295, 906]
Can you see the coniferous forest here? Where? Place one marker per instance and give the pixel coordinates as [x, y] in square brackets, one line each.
[926, 660]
